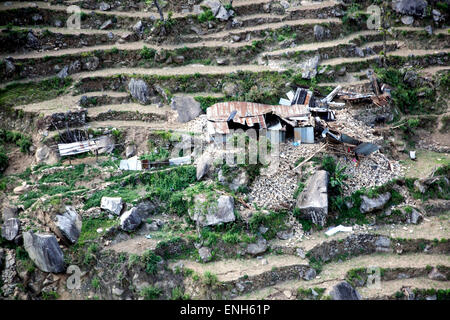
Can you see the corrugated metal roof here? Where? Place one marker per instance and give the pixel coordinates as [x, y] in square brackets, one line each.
[249, 113]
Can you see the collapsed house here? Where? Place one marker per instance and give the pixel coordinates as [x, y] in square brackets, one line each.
[300, 118]
[286, 121]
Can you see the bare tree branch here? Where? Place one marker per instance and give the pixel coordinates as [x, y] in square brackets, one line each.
[159, 9]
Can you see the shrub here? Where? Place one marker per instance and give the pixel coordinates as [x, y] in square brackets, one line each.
[150, 293]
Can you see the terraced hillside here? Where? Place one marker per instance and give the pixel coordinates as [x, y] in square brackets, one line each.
[140, 85]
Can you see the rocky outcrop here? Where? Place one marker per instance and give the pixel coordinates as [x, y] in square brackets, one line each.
[410, 7]
[372, 204]
[10, 229]
[112, 204]
[309, 67]
[187, 107]
[44, 251]
[209, 212]
[321, 33]
[130, 220]
[69, 225]
[344, 291]
[313, 201]
[140, 91]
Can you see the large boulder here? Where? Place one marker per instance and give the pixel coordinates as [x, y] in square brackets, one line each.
[130, 220]
[257, 248]
[209, 212]
[140, 91]
[203, 165]
[9, 213]
[112, 204]
[313, 201]
[309, 67]
[44, 251]
[10, 229]
[240, 179]
[46, 155]
[145, 209]
[344, 291]
[187, 107]
[230, 89]
[372, 204]
[410, 7]
[69, 225]
[32, 41]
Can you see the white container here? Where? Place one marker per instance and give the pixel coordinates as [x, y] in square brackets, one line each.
[412, 155]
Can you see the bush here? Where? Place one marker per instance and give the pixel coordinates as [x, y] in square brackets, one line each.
[150, 293]
[3, 160]
[206, 15]
[150, 260]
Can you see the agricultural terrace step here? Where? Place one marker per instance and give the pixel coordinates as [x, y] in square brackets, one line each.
[64, 103]
[233, 269]
[123, 46]
[68, 31]
[318, 45]
[334, 272]
[131, 107]
[396, 53]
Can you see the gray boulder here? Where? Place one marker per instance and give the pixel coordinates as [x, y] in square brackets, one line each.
[415, 217]
[145, 209]
[9, 66]
[344, 291]
[130, 151]
[44, 251]
[91, 63]
[258, 247]
[209, 213]
[369, 205]
[240, 180]
[407, 20]
[313, 201]
[320, 32]
[187, 107]
[140, 91]
[104, 6]
[69, 225]
[230, 89]
[32, 41]
[10, 229]
[64, 73]
[410, 7]
[105, 144]
[205, 254]
[138, 27]
[310, 274]
[106, 25]
[112, 204]
[130, 220]
[309, 67]
[203, 165]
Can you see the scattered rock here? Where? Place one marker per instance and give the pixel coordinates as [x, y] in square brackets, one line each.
[408, 20]
[187, 107]
[106, 25]
[209, 212]
[130, 220]
[69, 225]
[313, 201]
[103, 6]
[344, 291]
[178, 59]
[117, 291]
[223, 61]
[230, 89]
[113, 205]
[22, 189]
[429, 30]
[10, 229]
[139, 90]
[258, 247]
[436, 275]
[205, 254]
[32, 41]
[138, 27]
[91, 63]
[415, 217]
[9, 66]
[369, 205]
[411, 78]
[44, 251]
[310, 274]
[64, 73]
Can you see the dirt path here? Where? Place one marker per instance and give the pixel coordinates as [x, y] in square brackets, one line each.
[227, 270]
[332, 273]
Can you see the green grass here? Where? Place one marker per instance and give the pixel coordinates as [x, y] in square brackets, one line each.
[150, 293]
[275, 221]
[25, 93]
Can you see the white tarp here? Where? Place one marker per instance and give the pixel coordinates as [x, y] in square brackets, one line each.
[68, 149]
[339, 228]
[131, 164]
